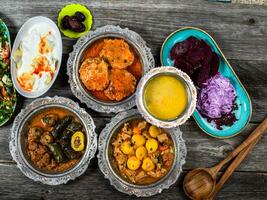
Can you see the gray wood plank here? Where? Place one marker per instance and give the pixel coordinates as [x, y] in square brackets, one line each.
[240, 33]
[93, 185]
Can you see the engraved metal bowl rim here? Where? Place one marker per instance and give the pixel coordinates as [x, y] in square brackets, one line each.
[191, 91]
[15, 142]
[82, 44]
[125, 186]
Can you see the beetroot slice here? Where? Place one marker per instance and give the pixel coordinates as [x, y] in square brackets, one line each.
[183, 65]
[194, 42]
[195, 55]
[208, 54]
[196, 58]
[179, 49]
[215, 62]
[203, 75]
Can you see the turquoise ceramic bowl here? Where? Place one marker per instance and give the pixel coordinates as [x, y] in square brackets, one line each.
[244, 111]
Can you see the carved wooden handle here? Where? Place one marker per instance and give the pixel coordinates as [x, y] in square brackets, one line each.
[259, 131]
[237, 161]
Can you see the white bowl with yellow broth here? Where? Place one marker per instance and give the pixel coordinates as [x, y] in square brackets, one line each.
[166, 97]
[36, 56]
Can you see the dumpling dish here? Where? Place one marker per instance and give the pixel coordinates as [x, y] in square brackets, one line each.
[143, 153]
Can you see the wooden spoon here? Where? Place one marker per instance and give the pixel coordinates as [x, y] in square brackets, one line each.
[200, 183]
[236, 162]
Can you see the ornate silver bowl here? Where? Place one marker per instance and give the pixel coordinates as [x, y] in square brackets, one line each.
[76, 56]
[191, 99]
[107, 165]
[18, 133]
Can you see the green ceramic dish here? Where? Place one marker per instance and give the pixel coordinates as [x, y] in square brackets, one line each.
[70, 10]
[7, 91]
[244, 111]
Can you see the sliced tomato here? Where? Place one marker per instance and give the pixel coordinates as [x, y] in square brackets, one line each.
[5, 52]
[3, 92]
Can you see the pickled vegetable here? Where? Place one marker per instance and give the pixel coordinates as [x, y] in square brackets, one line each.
[133, 163]
[65, 140]
[57, 152]
[152, 145]
[77, 141]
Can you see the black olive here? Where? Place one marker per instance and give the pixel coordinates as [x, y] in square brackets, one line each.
[80, 16]
[74, 24]
[65, 22]
[82, 28]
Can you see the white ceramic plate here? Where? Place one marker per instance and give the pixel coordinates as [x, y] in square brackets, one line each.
[22, 32]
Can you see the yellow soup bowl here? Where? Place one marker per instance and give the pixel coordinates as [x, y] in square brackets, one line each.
[166, 97]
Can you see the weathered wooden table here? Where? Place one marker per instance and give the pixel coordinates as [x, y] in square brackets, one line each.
[241, 32]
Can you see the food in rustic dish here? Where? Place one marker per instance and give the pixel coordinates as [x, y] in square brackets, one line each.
[37, 57]
[196, 58]
[216, 95]
[122, 84]
[55, 140]
[216, 101]
[165, 97]
[94, 74]
[110, 69]
[142, 152]
[7, 91]
[118, 54]
[74, 22]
